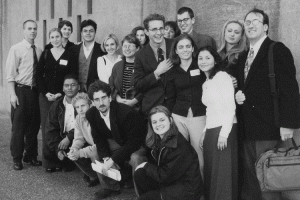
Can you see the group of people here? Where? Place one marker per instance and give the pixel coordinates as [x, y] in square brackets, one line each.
[179, 118]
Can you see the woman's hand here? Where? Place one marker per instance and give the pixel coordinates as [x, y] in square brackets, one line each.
[222, 143]
[131, 102]
[64, 143]
[240, 97]
[57, 95]
[234, 82]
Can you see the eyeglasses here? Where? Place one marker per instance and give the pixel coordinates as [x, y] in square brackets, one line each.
[161, 29]
[129, 46]
[183, 20]
[72, 85]
[254, 22]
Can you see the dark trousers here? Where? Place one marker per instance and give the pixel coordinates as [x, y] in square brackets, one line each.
[25, 121]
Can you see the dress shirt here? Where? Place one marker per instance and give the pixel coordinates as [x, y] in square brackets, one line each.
[163, 47]
[106, 119]
[19, 64]
[87, 51]
[104, 68]
[69, 116]
[257, 45]
[218, 96]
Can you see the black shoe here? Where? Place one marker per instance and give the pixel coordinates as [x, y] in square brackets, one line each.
[18, 166]
[103, 193]
[33, 162]
[93, 183]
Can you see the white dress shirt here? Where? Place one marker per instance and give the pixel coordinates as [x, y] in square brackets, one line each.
[87, 51]
[69, 123]
[106, 119]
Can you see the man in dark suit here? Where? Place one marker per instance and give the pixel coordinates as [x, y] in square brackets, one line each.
[151, 62]
[186, 21]
[256, 113]
[83, 57]
[118, 132]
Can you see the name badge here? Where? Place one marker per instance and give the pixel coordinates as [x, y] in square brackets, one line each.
[195, 72]
[63, 62]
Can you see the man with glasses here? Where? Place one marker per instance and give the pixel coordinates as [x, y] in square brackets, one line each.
[152, 62]
[59, 128]
[256, 111]
[186, 21]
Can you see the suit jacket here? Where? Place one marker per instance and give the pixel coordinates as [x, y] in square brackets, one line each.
[203, 40]
[256, 115]
[127, 129]
[74, 62]
[144, 79]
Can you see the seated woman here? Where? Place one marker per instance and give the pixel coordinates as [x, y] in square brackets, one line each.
[121, 76]
[175, 173]
[220, 136]
[171, 30]
[139, 32]
[110, 45]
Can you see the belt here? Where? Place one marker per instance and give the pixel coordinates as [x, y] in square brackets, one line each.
[26, 86]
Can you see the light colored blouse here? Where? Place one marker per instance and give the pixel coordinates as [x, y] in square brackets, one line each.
[104, 67]
[218, 96]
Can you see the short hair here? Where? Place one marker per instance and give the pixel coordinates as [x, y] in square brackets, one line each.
[131, 39]
[186, 9]
[173, 55]
[140, 28]
[217, 58]
[29, 20]
[55, 30]
[109, 36]
[258, 11]
[153, 17]
[83, 96]
[65, 22]
[71, 76]
[88, 22]
[151, 135]
[174, 26]
[98, 86]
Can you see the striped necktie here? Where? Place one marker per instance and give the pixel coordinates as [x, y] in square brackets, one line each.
[160, 55]
[248, 62]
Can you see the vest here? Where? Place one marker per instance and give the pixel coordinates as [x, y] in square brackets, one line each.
[84, 66]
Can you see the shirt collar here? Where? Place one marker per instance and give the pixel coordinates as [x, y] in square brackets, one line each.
[90, 47]
[162, 46]
[258, 44]
[65, 101]
[105, 117]
[27, 44]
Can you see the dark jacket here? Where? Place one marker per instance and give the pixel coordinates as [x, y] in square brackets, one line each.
[68, 45]
[230, 68]
[74, 61]
[256, 115]
[176, 169]
[203, 40]
[127, 129]
[184, 91]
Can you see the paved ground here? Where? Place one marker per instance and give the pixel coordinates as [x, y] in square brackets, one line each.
[35, 183]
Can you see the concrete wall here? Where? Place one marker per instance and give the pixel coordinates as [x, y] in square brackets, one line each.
[120, 16]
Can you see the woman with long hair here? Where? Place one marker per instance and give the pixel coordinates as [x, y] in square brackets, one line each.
[175, 172]
[171, 30]
[139, 32]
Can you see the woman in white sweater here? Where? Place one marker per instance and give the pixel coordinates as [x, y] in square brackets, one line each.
[220, 139]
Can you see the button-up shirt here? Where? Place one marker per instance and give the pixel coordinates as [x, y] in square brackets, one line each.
[69, 116]
[87, 51]
[106, 119]
[19, 64]
[163, 48]
[257, 45]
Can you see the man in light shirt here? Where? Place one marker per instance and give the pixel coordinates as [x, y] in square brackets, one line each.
[20, 74]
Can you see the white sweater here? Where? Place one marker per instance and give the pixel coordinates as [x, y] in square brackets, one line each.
[104, 68]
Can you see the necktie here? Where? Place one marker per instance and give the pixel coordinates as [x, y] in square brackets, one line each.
[248, 62]
[35, 62]
[160, 55]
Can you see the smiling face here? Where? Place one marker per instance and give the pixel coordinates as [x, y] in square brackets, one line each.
[55, 39]
[110, 46]
[169, 32]
[255, 32]
[185, 22]
[156, 31]
[160, 123]
[71, 87]
[30, 31]
[129, 49]
[184, 49]
[102, 102]
[140, 35]
[81, 106]
[66, 31]
[233, 33]
[88, 33]
[206, 61]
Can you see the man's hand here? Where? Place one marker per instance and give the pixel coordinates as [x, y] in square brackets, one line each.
[73, 154]
[64, 143]
[61, 155]
[108, 163]
[57, 95]
[14, 101]
[131, 102]
[163, 67]
[222, 143]
[240, 97]
[286, 133]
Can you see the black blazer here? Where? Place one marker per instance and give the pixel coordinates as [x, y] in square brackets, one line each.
[144, 79]
[74, 61]
[257, 112]
[68, 45]
[127, 129]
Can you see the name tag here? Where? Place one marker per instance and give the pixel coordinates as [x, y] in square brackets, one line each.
[63, 62]
[195, 72]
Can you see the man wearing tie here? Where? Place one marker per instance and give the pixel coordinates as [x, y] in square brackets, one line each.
[256, 113]
[25, 115]
[151, 62]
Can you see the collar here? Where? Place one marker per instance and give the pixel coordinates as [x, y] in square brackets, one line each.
[191, 31]
[65, 101]
[27, 44]
[90, 48]
[105, 117]
[162, 46]
[171, 141]
[257, 45]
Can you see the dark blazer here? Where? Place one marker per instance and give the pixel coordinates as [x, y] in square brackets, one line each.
[127, 129]
[144, 79]
[68, 45]
[74, 62]
[203, 40]
[257, 112]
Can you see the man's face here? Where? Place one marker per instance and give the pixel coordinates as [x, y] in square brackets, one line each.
[66, 31]
[101, 101]
[30, 31]
[258, 29]
[81, 106]
[156, 31]
[88, 33]
[185, 22]
[70, 87]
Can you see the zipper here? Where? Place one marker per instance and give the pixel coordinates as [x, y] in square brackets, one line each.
[276, 165]
[160, 154]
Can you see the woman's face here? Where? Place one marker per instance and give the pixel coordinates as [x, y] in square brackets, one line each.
[206, 61]
[160, 123]
[66, 31]
[169, 32]
[184, 49]
[129, 49]
[233, 33]
[111, 46]
[140, 34]
[55, 39]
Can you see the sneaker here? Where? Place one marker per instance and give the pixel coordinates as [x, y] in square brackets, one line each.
[104, 193]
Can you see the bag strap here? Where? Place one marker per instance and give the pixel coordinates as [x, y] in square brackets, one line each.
[274, 92]
[280, 142]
